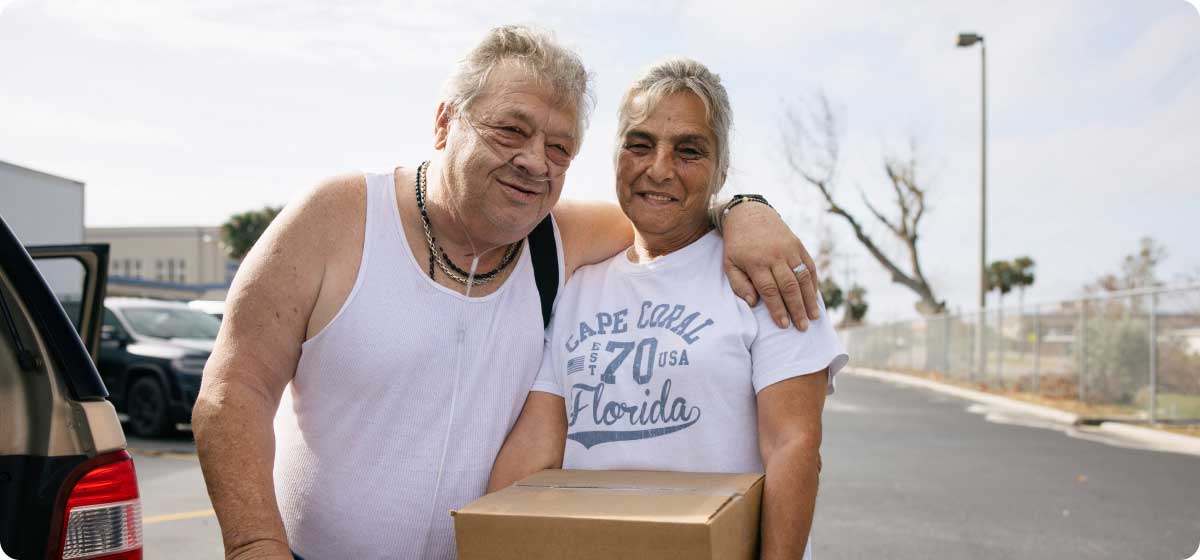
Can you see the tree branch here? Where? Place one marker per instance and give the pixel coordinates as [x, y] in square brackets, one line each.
[896, 229]
[813, 148]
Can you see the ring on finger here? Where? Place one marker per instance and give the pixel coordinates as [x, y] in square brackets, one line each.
[800, 269]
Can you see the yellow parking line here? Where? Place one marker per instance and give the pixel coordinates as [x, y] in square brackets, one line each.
[178, 516]
[164, 454]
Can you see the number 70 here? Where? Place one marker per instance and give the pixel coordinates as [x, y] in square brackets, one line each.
[645, 353]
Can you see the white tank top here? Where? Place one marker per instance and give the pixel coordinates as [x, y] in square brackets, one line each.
[401, 403]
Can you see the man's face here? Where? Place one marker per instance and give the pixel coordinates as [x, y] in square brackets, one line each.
[507, 154]
[665, 167]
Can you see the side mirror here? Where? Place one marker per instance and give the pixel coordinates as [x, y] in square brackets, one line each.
[109, 333]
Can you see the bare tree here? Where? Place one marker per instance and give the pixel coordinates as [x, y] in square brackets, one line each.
[1138, 270]
[812, 144]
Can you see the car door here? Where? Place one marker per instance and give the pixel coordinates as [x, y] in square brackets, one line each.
[83, 270]
[67, 485]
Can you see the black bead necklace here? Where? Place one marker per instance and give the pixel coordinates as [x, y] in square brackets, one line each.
[438, 256]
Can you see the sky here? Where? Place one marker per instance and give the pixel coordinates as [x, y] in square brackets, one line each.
[183, 113]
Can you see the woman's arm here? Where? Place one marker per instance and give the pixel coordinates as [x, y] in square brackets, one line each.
[536, 441]
[789, 438]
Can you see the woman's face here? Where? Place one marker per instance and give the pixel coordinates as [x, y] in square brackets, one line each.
[665, 168]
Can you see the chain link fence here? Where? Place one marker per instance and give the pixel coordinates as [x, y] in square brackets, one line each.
[1133, 353]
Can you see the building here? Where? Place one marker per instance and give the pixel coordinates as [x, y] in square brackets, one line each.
[184, 263]
[45, 209]
[42, 209]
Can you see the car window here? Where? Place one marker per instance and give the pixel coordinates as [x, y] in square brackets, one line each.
[65, 276]
[171, 322]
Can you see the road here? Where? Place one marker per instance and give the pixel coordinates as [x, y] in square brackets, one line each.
[913, 474]
[908, 474]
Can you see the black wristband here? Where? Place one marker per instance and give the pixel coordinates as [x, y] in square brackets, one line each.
[740, 198]
[719, 218]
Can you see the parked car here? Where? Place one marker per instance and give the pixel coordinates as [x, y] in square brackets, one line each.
[214, 307]
[67, 485]
[152, 353]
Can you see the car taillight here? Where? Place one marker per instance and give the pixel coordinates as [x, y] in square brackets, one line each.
[102, 518]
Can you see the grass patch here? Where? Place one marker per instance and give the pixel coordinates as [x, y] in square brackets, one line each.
[1173, 404]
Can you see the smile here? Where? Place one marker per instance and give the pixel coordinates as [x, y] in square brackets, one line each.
[657, 198]
[521, 192]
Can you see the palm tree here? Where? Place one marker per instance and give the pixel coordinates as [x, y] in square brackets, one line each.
[1023, 277]
[1001, 278]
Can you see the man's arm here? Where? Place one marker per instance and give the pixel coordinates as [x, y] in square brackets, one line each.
[591, 231]
[789, 439]
[255, 356]
[536, 441]
[760, 252]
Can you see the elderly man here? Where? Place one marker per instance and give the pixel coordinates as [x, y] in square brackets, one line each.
[391, 324]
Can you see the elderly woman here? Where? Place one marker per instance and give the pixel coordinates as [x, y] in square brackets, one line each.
[651, 362]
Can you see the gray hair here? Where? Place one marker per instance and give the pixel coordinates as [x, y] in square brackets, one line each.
[535, 50]
[671, 76]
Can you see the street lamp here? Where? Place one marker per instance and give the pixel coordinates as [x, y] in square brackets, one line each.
[966, 40]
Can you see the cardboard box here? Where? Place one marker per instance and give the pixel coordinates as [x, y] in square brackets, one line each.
[582, 515]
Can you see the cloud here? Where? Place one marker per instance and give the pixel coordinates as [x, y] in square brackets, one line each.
[30, 118]
[1091, 142]
[360, 33]
[1092, 106]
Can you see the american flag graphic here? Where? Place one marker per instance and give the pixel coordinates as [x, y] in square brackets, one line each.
[575, 365]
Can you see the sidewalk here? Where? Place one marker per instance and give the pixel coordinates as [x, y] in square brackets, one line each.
[1154, 439]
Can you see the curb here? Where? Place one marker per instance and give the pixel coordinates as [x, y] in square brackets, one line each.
[1042, 412]
[1174, 442]
[1164, 441]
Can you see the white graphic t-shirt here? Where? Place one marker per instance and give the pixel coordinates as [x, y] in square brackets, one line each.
[659, 364]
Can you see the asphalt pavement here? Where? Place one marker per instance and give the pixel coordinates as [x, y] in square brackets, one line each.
[908, 474]
[913, 474]
[178, 523]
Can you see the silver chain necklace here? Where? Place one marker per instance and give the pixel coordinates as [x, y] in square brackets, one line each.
[439, 256]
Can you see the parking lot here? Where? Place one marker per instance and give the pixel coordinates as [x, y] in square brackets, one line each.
[178, 517]
[909, 474]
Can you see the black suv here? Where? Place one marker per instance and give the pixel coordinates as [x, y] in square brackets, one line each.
[151, 355]
[67, 485]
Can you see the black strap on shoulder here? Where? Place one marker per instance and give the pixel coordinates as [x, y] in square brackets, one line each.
[544, 253]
